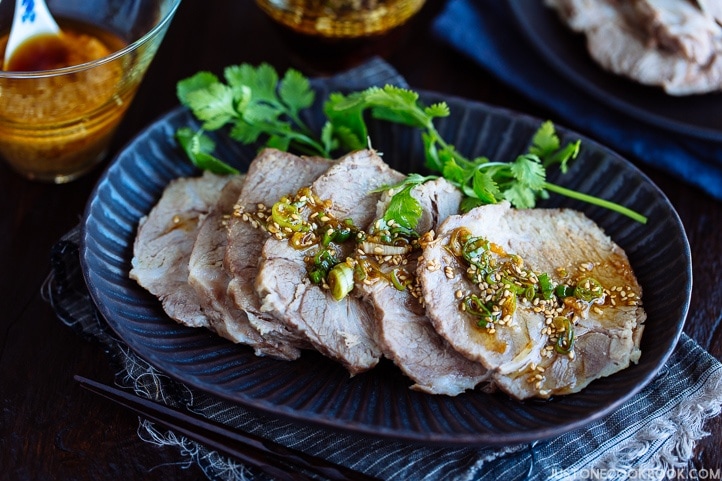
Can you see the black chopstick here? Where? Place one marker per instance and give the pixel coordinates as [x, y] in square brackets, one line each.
[274, 459]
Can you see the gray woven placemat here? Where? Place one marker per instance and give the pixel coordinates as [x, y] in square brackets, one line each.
[652, 436]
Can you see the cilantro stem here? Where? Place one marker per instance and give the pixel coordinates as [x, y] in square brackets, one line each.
[596, 201]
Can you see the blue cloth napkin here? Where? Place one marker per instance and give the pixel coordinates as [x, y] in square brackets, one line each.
[486, 32]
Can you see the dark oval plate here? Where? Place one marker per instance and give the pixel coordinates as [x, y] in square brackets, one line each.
[565, 51]
[316, 390]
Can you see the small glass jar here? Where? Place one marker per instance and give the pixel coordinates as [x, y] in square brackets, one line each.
[330, 35]
[341, 18]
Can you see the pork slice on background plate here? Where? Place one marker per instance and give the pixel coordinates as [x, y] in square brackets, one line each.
[522, 350]
[164, 242]
[713, 8]
[680, 27]
[272, 175]
[344, 329]
[672, 44]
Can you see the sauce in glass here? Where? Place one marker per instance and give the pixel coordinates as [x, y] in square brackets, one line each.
[55, 125]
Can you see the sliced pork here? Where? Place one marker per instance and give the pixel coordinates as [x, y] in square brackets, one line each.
[405, 333]
[522, 348]
[270, 176]
[343, 330]
[673, 44]
[164, 243]
[210, 280]
[680, 27]
[713, 8]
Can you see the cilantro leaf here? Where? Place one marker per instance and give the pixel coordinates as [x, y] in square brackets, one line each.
[256, 105]
[546, 145]
[213, 105]
[528, 172]
[199, 81]
[198, 147]
[403, 208]
[545, 141]
[485, 188]
[345, 113]
[295, 92]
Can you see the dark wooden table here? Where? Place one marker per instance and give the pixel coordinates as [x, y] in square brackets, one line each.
[49, 427]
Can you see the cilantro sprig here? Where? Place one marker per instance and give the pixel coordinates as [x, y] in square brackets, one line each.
[256, 105]
[260, 107]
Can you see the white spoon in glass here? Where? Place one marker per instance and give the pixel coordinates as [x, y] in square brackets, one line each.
[31, 19]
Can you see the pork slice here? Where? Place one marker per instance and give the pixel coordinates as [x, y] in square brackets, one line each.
[713, 8]
[680, 26]
[650, 42]
[405, 332]
[164, 242]
[342, 330]
[566, 245]
[270, 176]
[584, 15]
[210, 280]
[623, 52]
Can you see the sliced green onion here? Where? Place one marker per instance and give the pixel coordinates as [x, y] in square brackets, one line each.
[530, 292]
[398, 283]
[563, 291]
[340, 280]
[287, 216]
[325, 259]
[545, 284]
[457, 240]
[474, 248]
[565, 341]
[482, 312]
[588, 289]
[342, 234]
[317, 276]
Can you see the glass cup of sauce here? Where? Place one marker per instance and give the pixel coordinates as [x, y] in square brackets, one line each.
[325, 36]
[60, 102]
